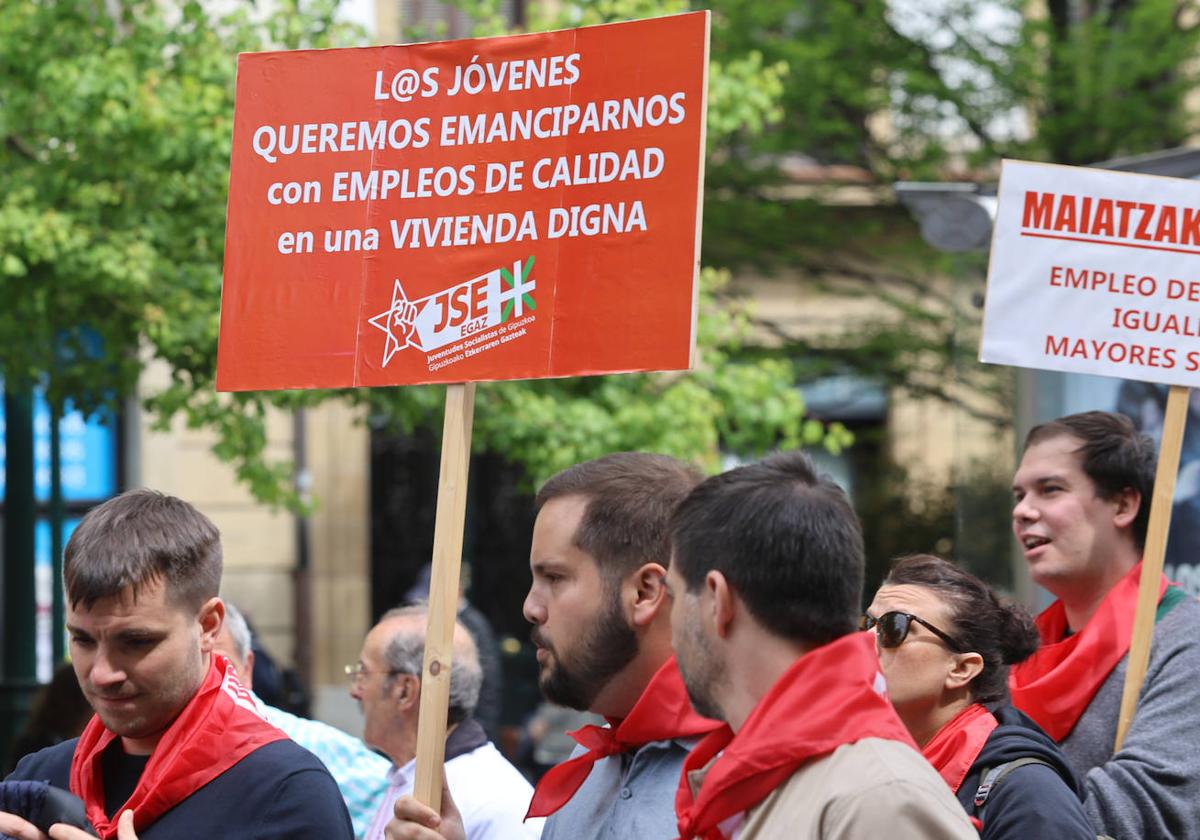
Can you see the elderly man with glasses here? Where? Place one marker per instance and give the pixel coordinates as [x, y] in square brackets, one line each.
[491, 794]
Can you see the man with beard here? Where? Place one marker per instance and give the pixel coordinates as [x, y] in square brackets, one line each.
[601, 619]
[766, 584]
[177, 748]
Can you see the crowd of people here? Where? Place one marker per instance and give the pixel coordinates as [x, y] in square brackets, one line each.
[716, 625]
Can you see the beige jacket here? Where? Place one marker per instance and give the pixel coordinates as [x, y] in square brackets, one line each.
[873, 789]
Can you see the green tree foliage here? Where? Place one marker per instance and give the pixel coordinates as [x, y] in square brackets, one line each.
[116, 120]
[903, 88]
[1116, 77]
[863, 92]
[929, 90]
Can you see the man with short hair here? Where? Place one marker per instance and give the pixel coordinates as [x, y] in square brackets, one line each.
[766, 580]
[360, 773]
[176, 740]
[1082, 504]
[601, 619]
[492, 794]
[602, 627]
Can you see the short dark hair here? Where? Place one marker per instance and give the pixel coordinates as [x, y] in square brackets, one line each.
[139, 537]
[1002, 632]
[787, 541]
[1114, 455]
[630, 497]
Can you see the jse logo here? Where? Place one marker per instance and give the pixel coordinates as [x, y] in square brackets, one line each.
[444, 317]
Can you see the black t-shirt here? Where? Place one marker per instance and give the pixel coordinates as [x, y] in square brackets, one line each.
[120, 772]
[278, 792]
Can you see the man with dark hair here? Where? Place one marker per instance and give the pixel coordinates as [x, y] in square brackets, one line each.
[492, 794]
[177, 748]
[766, 581]
[1082, 502]
[601, 619]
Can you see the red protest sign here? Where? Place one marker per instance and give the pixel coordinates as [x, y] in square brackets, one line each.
[498, 208]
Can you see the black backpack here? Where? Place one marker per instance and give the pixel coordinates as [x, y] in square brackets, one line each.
[992, 776]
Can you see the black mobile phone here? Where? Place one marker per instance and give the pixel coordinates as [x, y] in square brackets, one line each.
[62, 806]
[40, 803]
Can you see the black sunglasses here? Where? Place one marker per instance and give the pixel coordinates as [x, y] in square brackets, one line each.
[891, 629]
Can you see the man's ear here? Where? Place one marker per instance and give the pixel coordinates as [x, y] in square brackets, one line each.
[724, 602]
[649, 591]
[1128, 502]
[965, 667]
[406, 691]
[211, 617]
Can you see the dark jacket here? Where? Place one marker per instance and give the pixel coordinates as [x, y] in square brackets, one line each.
[1033, 800]
[278, 791]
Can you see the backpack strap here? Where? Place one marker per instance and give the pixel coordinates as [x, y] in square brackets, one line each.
[992, 776]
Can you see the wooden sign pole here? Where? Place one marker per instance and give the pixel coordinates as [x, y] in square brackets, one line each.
[443, 592]
[1152, 557]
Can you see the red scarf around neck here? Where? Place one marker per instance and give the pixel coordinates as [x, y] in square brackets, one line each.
[831, 696]
[1056, 684]
[956, 745]
[218, 727]
[661, 713]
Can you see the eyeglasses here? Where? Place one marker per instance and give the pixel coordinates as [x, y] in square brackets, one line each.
[892, 628]
[359, 671]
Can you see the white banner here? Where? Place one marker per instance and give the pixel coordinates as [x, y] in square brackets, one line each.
[1094, 271]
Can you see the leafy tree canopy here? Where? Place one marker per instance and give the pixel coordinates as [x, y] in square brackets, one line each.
[928, 90]
[116, 120]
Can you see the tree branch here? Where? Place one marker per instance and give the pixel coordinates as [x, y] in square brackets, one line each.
[19, 146]
[929, 64]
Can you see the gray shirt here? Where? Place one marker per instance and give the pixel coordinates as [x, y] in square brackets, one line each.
[1151, 788]
[628, 796]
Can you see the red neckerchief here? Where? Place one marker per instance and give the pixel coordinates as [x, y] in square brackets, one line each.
[833, 695]
[956, 745]
[218, 727]
[661, 713]
[1057, 683]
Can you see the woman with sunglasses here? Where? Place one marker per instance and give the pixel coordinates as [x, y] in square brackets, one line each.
[945, 643]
